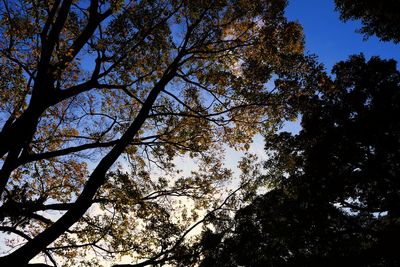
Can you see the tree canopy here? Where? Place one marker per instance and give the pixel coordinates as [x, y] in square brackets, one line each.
[380, 18]
[335, 185]
[99, 97]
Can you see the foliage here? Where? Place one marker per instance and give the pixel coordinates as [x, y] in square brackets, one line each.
[98, 98]
[336, 195]
[378, 17]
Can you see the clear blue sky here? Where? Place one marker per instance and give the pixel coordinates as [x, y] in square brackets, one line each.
[331, 39]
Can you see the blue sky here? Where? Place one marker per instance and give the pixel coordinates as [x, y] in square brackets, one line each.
[331, 39]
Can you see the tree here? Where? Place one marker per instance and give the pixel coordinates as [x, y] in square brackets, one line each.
[335, 200]
[95, 93]
[377, 17]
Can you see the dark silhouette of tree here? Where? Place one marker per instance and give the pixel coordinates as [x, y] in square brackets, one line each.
[336, 184]
[85, 84]
[380, 18]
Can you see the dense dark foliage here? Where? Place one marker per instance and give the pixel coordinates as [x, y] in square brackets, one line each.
[378, 17]
[336, 201]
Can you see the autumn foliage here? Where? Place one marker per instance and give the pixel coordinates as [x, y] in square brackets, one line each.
[97, 100]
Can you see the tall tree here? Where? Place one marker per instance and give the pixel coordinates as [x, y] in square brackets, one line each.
[380, 18]
[336, 195]
[86, 82]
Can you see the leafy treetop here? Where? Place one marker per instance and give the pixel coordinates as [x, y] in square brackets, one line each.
[335, 200]
[380, 18]
[85, 84]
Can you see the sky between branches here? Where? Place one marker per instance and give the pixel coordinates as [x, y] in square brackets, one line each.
[331, 40]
